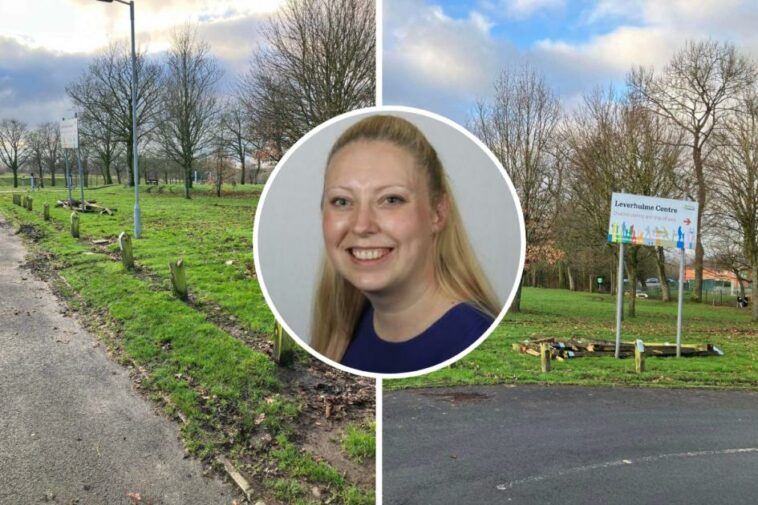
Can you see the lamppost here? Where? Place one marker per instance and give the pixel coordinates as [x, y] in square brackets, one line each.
[135, 168]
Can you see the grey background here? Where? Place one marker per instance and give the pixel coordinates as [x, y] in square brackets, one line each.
[290, 244]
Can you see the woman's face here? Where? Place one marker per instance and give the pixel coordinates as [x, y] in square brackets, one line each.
[378, 221]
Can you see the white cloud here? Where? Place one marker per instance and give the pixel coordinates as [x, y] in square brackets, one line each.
[443, 53]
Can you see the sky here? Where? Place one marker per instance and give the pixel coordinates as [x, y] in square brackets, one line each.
[47, 44]
[444, 55]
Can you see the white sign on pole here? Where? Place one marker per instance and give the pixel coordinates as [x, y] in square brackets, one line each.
[69, 133]
[652, 221]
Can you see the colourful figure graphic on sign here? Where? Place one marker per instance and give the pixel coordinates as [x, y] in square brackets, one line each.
[680, 238]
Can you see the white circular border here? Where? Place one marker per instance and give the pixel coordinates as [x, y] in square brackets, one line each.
[376, 110]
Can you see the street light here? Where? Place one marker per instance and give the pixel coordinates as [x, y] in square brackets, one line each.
[135, 168]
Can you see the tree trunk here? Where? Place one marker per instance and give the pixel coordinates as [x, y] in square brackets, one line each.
[570, 276]
[697, 295]
[15, 176]
[660, 263]
[187, 181]
[631, 270]
[242, 177]
[516, 305]
[753, 299]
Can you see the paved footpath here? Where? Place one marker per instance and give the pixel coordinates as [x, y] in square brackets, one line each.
[72, 429]
[570, 445]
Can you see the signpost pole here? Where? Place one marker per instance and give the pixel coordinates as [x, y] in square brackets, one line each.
[681, 303]
[79, 163]
[68, 179]
[620, 301]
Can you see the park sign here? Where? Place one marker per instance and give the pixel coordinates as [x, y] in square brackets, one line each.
[652, 221]
[69, 133]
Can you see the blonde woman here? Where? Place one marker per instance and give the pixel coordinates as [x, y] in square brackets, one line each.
[400, 288]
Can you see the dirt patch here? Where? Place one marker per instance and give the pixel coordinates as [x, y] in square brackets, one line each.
[31, 232]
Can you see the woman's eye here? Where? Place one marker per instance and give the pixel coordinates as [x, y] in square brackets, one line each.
[394, 199]
[340, 202]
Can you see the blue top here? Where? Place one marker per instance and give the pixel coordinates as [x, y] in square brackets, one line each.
[460, 327]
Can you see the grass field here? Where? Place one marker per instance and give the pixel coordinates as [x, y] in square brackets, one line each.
[228, 393]
[561, 313]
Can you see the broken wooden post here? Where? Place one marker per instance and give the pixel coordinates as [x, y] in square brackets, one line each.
[178, 279]
[75, 224]
[46, 211]
[29, 203]
[16, 199]
[639, 356]
[125, 244]
[545, 357]
[284, 345]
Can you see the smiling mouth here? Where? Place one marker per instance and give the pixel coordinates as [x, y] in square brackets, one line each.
[369, 254]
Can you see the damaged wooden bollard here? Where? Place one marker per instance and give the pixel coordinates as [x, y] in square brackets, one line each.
[75, 225]
[545, 357]
[46, 211]
[284, 346]
[639, 356]
[125, 244]
[178, 279]
[29, 203]
[16, 199]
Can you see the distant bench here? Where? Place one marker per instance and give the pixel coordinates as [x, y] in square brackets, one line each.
[152, 181]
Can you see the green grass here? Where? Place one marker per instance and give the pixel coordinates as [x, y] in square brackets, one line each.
[359, 442]
[227, 392]
[560, 313]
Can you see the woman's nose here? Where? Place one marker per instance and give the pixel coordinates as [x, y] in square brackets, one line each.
[364, 220]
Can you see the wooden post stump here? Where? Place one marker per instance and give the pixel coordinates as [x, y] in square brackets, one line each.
[545, 357]
[46, 211]
[639, 356]
[284, 346]
[16, 199]
[75, 224]
[125, 244]
[179, 279]
[29, 203]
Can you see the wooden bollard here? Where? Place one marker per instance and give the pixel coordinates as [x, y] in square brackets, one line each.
[46, 211]
[639, 356]
[28, 203]
[545, 357]
[75, 224]
[16, 199]
[178, 279]
[125, 244]
[284, 345]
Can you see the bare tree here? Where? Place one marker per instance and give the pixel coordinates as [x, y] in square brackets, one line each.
[190, 104]
[13, 145]
[520, 126]
[36, 152]
[694, 91]
[51, 136]
[104, 96]
[235, 125]
[736, 183]
[320, 61]
[615, 144]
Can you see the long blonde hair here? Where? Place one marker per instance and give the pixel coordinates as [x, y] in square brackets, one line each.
[338, 305]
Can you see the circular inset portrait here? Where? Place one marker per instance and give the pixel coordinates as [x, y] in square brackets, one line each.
[389, 241]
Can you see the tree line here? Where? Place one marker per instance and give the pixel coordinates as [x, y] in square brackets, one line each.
[686, 131]
[317, 61]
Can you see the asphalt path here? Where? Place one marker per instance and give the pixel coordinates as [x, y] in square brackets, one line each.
[72, 429]
[570, 445]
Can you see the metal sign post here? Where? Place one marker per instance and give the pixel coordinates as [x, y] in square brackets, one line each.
[79, 162]
[620, 301]
[68, 179]
[69, 129]
[656, 222]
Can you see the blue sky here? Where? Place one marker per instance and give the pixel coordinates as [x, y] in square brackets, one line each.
[444, 55]
[46, 44]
